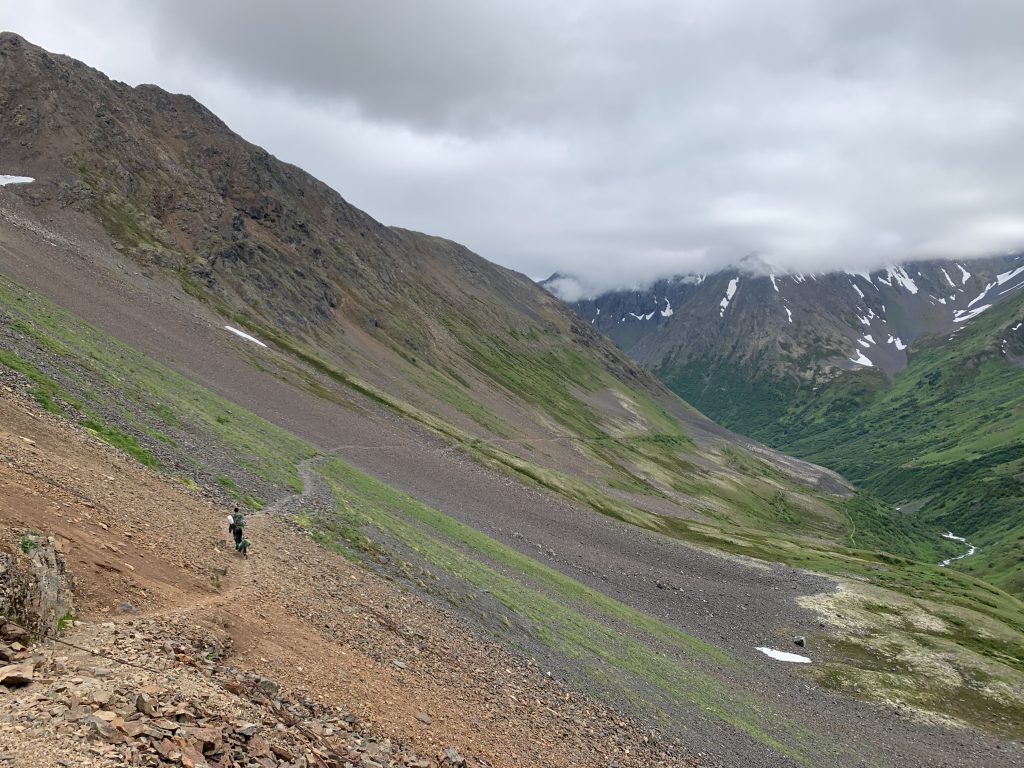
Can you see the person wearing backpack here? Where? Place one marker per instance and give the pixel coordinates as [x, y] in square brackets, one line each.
[237, 527]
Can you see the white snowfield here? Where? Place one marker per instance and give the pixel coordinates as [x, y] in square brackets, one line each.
[862, 359]
[667, 311]
[1007, 276]
[965, 273]
[244, 335]
[793, 658]
[899, 276]
[789, 314]
[900, 345]
[774, 284]
[963, 315]
[5, 180]
[729, 293]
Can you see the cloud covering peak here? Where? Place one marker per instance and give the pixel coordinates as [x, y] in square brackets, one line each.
[619, 141]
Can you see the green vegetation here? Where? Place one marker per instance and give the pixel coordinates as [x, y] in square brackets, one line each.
[148, 396]
[599, 633]
[45, 390]
[945, 439]
[756, 510]
[28, 544]
[65, 622]
[123, 441]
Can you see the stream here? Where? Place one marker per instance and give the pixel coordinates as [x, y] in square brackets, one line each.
[971, 549]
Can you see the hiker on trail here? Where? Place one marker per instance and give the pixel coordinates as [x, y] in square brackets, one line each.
[236, 524]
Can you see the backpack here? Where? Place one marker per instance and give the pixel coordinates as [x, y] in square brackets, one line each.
[239, 520]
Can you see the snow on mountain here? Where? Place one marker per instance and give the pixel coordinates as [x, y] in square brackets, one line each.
[729, 293]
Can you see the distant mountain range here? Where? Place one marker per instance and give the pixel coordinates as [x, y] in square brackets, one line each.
[907, 379]
[799, 325]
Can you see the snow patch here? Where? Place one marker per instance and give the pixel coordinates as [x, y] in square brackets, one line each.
[1005, 276]
[862, 360]
[729, 293]
[5, 180]
[793, 658]
[946, 275]
[1017, 326]
[966, 275]
[963, 315]
[789, 314]
[774, 284]
[899, 276]
[981, 295]
[667, 311]
[857, 289]
[244, 335]
[900, 345]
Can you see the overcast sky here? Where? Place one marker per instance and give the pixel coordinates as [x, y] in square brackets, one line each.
[619, 141]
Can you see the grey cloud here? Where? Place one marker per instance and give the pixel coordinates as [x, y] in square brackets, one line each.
[618, 141]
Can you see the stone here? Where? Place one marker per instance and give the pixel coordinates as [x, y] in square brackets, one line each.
[269, 687]
[101, 729]
[135, 728]
[208, 740]
[126, 607]
[453, 757]
[246, 729]
[800, 640]
[12, 632]
[424, 718]
[145, 704]
[16, 675]
[192, 758]
[258, 747]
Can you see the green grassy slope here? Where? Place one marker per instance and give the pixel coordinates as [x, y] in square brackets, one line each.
[945, 439]
[80, 372]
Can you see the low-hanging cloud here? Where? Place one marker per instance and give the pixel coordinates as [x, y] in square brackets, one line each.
[619, 141]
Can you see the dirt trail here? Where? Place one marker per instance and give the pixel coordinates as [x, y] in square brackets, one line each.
[292, 611]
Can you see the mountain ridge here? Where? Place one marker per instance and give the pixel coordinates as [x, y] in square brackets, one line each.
[814, 365]
[490, 452]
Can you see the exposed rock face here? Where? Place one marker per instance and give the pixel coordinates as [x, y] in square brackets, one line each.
[801, 327]
[35, 586]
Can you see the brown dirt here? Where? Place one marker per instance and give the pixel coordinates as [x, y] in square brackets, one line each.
[291, 611]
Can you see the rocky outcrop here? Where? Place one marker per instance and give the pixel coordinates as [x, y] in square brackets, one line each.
[35, 586]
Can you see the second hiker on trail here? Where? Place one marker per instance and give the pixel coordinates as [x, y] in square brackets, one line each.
[236, 525]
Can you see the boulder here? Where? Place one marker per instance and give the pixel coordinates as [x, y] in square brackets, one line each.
[16, 675]
[35, 587]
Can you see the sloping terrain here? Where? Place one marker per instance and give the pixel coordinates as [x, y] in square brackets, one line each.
[440, 335]
[517, 469]
[350, 638]
[908, 381]
[572, 610]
